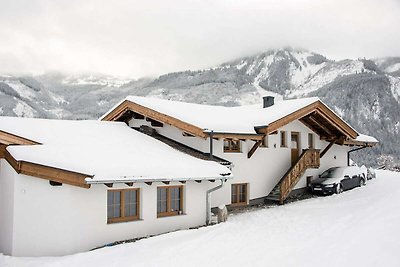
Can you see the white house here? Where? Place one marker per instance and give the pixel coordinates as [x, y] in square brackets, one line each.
[274, 148]
[70, 186]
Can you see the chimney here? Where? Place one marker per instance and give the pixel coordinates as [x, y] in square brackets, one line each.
[268, 101]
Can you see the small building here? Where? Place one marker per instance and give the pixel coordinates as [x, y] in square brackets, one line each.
[276, 148]
[71, 186]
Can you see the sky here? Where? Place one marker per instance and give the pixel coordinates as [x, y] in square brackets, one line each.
[150, 37]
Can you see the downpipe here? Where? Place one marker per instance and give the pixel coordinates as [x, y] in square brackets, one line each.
[208, 201]
[348, 153]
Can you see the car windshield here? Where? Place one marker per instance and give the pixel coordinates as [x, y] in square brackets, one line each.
[330, 173]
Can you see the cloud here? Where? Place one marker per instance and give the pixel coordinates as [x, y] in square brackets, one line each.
[142, 38]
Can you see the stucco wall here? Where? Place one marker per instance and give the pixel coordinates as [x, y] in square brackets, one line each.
[267, 165]
[63, 220]
[7, 178]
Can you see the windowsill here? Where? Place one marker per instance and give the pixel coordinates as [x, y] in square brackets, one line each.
[239, 204]
[123, 221]
[169, 215]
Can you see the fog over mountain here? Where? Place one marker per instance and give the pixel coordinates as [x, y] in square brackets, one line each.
[365, 92]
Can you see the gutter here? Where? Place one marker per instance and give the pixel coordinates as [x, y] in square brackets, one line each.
[208, 201]
[90, 180]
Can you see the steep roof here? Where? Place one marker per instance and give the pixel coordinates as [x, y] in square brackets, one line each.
[252, 120]
[104, 151]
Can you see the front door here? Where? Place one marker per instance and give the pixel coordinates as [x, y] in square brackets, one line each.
[295, 146]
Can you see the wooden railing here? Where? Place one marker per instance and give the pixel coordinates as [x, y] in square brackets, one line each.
[308, 159]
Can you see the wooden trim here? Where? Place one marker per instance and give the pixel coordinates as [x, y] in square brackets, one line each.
[12, 139]
[327, 148]
[284, 140]
[232, 148]
[155, 115]
[236, 187]
[123, 218]
[359, 143]
[169, 212]
[46, 172]
[322, 110]
[238, 136]
[254, 148]
[2, 150]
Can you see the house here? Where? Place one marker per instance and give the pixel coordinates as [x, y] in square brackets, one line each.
[71, 186]
[276, 148]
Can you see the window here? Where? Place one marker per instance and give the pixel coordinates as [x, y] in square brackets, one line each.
[239, 194]
[283, 139]
[311, 140]
[231, 145]
[122, 205]
[169, 200]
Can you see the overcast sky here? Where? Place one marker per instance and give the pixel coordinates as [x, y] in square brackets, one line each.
[147, 38]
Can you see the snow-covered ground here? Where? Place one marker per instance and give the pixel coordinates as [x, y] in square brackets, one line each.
[357, 228]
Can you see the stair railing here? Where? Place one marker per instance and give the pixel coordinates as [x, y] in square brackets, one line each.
[310, 158]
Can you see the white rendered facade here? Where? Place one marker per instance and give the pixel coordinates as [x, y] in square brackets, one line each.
[38, 219]
[267, 165]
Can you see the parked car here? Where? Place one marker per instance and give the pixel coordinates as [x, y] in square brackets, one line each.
[338, 179]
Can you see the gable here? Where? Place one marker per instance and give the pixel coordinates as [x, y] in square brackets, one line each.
[313, 113]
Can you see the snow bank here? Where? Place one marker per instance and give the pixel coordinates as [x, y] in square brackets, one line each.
[356, 228]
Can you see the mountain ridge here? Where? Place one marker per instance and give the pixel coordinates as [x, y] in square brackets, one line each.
[365, 92]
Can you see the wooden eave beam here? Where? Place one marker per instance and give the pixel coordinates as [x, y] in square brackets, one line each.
[320, 125]
[2, 150]
[155, 115]
[254, 148]
[336, 120]
[12, 139]
[358, 143]
[274, 126]
[46, 172]
[238, 136]
[322, 110]
[326, 149]
[313, 128]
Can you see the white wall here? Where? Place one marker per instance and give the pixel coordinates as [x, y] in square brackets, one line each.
[67, 219]
[267, 165]
[7, 178]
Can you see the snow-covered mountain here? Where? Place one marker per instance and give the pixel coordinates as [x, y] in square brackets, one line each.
[366, 93]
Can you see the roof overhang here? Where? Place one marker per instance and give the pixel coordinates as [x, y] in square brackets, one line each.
[319, 118]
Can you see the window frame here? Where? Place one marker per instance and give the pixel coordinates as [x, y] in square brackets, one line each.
[236, 187]
[122, 217]
[231, 148]
[181, 198]
[284, 139]
[311, 145]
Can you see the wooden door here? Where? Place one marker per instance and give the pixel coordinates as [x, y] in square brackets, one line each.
[295, 146]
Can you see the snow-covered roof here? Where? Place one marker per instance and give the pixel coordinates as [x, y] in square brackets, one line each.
[240, 119]
[366, 138]
[110, 151]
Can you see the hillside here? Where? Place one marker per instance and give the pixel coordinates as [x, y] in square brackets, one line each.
[366, 93]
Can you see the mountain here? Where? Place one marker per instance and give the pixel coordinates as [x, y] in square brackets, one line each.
[365, 92]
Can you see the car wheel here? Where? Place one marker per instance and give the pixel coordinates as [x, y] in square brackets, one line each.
[339, 188]
[362, 182]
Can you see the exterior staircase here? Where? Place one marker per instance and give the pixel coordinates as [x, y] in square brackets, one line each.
[310, 158]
